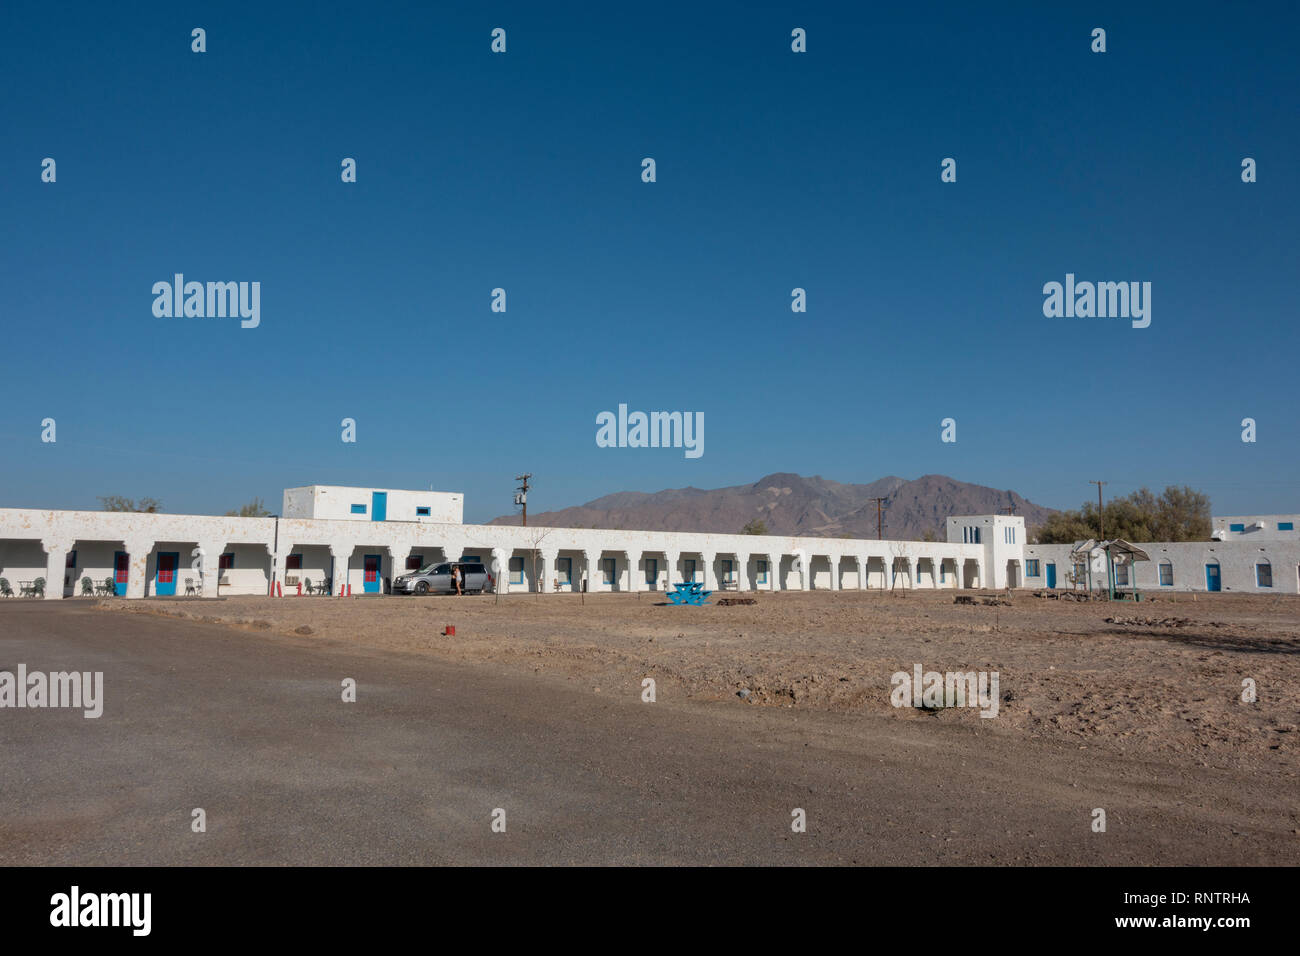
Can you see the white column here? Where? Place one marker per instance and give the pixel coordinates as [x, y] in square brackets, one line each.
[633, 559]
[774, 572]
[138, 550]
[710, 577]
[209, 567]
[592, 560]
[498, 565]
[673, 558]
[548, 570]
[342, 557]
[835, 571]
[742, 572]
[56, 557]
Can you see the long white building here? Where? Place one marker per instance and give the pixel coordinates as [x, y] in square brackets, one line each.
[340, 540]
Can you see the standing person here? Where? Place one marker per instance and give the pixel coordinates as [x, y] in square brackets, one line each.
[455, 578]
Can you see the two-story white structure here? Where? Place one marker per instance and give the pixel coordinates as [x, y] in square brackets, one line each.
[341, 540]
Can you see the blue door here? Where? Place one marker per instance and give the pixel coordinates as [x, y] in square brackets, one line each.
[121, 570]
[378, 505]
[1051, 575]
[371, 582]
[1212, 582]
[165, 580]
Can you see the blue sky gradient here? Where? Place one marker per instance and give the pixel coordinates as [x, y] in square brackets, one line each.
[522, 170]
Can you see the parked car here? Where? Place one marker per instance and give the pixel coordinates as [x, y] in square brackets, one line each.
[436, 579]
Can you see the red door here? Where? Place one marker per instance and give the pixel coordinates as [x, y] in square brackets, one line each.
[121, 569]
[371, 577]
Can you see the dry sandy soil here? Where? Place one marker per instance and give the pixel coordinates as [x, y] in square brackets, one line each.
[1162, 677]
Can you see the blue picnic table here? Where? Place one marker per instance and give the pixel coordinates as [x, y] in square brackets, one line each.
[689, 592]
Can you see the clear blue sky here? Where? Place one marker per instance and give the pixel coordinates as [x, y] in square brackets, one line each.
[522, 170]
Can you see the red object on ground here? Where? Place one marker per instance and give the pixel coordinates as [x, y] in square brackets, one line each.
[450, 631]
[299, 589]
[279, 589]
[349, 590]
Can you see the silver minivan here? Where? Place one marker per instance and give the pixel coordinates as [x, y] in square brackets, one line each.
[436, 579]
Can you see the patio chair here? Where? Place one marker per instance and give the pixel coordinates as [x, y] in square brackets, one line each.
[109, 587]
[189, 586]
[38, 588]
[87, 587]
[5, 589]
[308, 586]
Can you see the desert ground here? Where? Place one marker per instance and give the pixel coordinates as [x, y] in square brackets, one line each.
[536, 706]
[1161, 676]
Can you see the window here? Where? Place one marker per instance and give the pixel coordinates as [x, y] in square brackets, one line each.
[652, 572]
[358, 509]
[422, 512]
[1166, 574]
[293, 562]
[516, 570]
[226, 561]
[970, 535]
[1236, 527]
[1031, 567]
[943, 573]
[564, 570]
[470, 557]
[760, 569]
[1264, 574]
[689, 575]
[1281, 526]
[414, 562]
[610, 567]
[1121, 575]
[1009, 535]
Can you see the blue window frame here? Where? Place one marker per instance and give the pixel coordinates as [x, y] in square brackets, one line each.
[358, 509]
[226, 561]
[422, 512]
[1281, 526]
[943, 572]
[1166, 574]
[564, 570]
[610, 568]
[516, 570]
[652, 572]
[688, 575]
[1264, 575]
[1236, 527]
[1031, 568]
[760, 569]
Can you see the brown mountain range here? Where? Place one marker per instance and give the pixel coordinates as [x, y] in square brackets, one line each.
[793, 504]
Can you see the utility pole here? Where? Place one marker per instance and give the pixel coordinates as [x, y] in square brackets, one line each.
[521, 496]
[1101, 515]
[880, 524]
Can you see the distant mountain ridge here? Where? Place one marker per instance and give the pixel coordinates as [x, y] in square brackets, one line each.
[791, 504]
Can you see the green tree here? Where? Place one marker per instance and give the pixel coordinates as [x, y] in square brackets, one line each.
[119, 503]
[1176, 514]
[254, 509]
[755, 526]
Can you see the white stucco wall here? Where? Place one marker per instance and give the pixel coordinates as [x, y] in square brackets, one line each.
[336, 502]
